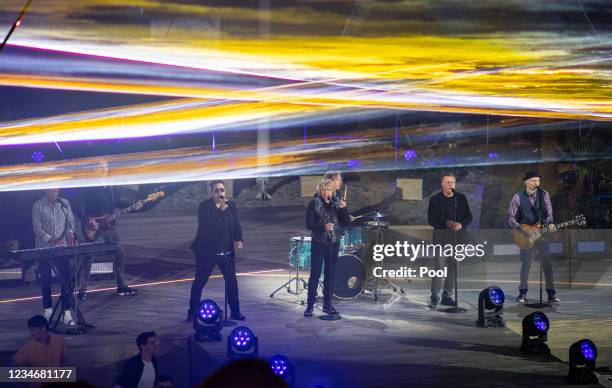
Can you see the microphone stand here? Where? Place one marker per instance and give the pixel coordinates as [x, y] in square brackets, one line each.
[455, 309]
[330, 286]
[226, 322]
[540, 200]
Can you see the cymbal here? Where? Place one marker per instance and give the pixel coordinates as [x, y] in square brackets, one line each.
[375, 215]
[377, 224]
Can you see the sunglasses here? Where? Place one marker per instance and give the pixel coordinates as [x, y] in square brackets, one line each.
[219, 191]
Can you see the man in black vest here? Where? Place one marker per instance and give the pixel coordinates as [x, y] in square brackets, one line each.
[219, 235]
[449, 214]
[532, 206]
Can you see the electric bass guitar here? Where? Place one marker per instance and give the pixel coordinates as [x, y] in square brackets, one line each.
[103, 222]
[531, 233]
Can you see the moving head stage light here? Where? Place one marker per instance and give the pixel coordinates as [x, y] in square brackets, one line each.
[208, 322]
[491, 307]
[582, 355]
[242, 343]
[283, 368]
[535, 329]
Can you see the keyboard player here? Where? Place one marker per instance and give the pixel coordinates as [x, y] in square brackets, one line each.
[54, 225]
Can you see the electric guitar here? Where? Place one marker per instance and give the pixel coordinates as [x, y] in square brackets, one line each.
[532, 233]
[104, 221]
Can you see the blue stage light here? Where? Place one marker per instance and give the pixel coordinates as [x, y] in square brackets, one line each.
[582, 355]
[588, 349]
[283, 368]
[410, 154]
[491, 307]
[535, 329]
[208, 322]
[208, 311]
[540, 321]
[242, 342]
[496, 295]
[38, 156]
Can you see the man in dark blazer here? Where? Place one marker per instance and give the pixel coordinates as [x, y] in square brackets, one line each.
[449, 214]
[219, 235]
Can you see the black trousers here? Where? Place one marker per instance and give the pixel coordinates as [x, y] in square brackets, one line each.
[322, 253]
[44, 270]
[204, 267]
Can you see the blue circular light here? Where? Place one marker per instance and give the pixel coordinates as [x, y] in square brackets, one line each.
[588, 349]
[38, 156]
[242, 338]
[281, 366]
[496, 295]
[208, 311]
[410, 154]
[540, 321]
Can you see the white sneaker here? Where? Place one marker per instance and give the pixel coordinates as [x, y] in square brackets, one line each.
[67, 319]
[47, 313]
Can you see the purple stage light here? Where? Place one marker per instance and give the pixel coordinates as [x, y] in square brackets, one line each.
[353, 163]
[493, 155]
[38, 156]
[410, 154]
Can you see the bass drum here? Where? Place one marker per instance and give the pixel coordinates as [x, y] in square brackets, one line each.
[349, 277]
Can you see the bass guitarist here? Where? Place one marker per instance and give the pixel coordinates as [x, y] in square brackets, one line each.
[97, 202]
[532, 206]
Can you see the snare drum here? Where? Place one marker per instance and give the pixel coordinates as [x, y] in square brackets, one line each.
[299, 252]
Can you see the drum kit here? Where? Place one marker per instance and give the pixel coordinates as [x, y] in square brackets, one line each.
[350, 276]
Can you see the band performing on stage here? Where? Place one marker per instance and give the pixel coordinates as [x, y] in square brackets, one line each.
[335, 246]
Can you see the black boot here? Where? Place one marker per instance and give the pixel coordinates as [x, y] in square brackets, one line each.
[309, 310]
[330, 310]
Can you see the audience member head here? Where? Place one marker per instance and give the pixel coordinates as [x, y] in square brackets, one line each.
[148, 343]
[164, 381]
[38, 327]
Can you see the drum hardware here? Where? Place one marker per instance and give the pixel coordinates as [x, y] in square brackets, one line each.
[379, 226]
[296, 251]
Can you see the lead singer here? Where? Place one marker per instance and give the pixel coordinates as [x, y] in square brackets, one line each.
[219, 235]
[324, 216]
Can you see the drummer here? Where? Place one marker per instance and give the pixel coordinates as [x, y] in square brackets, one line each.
[323, 217]
[336, 178]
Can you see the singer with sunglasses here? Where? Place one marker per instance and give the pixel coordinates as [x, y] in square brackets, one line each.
[219, 235]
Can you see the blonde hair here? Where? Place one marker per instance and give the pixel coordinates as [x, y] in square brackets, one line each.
[324, 184]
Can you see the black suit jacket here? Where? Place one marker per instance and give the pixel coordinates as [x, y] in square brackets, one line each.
[209, 224]
[435, 217]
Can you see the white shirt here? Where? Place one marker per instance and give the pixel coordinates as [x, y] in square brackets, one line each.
[147, 378]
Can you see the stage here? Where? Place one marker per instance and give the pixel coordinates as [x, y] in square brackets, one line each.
[376, 344]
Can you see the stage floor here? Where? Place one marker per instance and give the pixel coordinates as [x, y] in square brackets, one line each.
[374, 345]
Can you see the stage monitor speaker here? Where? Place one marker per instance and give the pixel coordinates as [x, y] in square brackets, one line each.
[412, 189]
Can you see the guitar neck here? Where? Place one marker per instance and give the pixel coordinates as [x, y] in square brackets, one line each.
[566, 224]
[118, 213]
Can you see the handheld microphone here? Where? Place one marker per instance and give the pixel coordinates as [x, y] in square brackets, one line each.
[225, 201]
